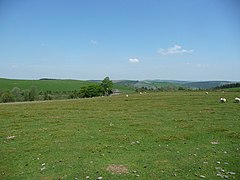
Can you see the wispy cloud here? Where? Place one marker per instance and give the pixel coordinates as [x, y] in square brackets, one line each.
[194, 65]
[202, 65]
[173, 50]
[13, 66]
[133, 60]
[94, 42]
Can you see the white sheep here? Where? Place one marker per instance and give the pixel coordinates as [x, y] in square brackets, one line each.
[140, 93]
[223, 100]
[206, 93]
[237, 100]
[126, 95]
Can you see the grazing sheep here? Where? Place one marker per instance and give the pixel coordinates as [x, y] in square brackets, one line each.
[206, 93]
[237, 100]
[140, 93]
[223, 100]
[126, 95]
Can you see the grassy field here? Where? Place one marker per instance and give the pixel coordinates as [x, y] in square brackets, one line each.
[168, 135]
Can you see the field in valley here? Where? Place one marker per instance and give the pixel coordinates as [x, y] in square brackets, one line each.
[164, 135]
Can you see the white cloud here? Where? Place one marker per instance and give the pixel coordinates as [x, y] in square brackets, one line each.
[133, 60]
[174, 50]
[94, 42]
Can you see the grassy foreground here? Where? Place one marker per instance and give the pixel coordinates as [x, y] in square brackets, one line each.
[168, 135]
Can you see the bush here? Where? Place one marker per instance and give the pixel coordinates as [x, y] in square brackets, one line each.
[91, 91]
[7, 97]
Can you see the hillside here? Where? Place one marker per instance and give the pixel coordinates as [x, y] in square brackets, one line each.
[147, 84]
[205, 84]
[53, 84]
[46, 84]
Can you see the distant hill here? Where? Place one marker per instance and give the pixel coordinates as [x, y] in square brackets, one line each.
[205, 84]
[172, 84]
[147, 84]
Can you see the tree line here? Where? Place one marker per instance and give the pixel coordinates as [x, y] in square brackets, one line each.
[33, 94]
[231, 85]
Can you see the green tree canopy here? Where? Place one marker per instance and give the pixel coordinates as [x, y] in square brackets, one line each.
[107, 85]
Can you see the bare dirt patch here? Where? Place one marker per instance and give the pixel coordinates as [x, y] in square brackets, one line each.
[117, 169]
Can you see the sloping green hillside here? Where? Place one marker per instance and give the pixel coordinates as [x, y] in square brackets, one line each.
[53, 85]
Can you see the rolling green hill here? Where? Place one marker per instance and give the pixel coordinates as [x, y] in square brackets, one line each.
[53, 84]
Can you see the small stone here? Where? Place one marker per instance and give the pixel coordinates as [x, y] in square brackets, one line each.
[202, 176]
[137, 175]
[43, 168]
[137, 142]
[134, 171]
[11, 137]
[218, 162]
[214, 142]
[100, 178]
[43, 164]
[87, 177]
[219, 174]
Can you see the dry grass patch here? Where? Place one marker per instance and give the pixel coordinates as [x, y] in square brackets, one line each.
[117, 169]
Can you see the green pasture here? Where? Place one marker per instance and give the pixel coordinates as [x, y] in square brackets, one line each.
[52, 85]
[166, 135]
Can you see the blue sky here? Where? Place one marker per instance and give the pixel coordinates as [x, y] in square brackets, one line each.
[124, 39]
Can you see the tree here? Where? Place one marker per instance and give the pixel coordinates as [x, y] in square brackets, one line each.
[33, 93]
[17, 94]
[7, 97]
[91, 91]
[107, 85]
